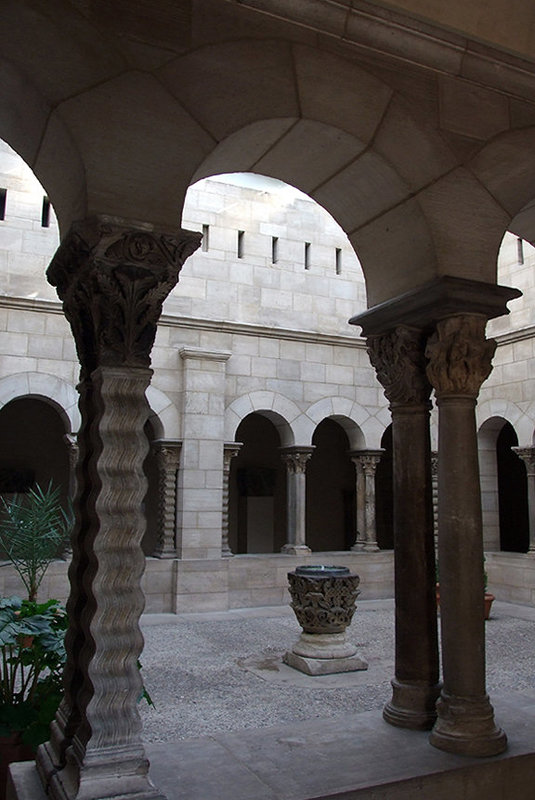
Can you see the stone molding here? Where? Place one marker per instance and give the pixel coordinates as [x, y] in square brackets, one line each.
[204, 355]
[460, 357]
[425, 43]
[113, 279]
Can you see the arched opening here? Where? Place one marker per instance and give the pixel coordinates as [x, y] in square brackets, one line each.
[330, 482]
[384, 511]
[512, 494]
[34, 450]
[257, 489]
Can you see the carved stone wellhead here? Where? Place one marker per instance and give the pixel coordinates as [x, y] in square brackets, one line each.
[323, 599]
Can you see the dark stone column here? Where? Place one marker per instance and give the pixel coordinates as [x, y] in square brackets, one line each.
[459, 361]
[398, 358]
[112, 280]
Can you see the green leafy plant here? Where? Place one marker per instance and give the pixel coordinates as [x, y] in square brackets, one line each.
[34, 529]
[32, 657]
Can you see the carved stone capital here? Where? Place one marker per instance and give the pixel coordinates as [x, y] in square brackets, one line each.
[460, 357]
[167, 452]
[527, 454]
[368, 460]
[113, 279]
[296, 458]
[230, 451]
[399, 361]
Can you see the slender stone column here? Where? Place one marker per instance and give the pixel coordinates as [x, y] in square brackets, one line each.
[366, 462]
[296, 459]
[71, 441]
[167, 458]
[434, 480]
[459, 361]
[398, 358]
[361, 502]
[230, 450]
[113, 280]
[527, 454]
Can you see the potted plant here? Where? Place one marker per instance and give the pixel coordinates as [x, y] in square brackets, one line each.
[34, 530]
[32, 655]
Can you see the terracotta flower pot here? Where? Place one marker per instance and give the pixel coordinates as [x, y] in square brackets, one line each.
[489, 599]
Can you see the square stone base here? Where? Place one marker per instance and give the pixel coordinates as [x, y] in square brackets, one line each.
[323, 666]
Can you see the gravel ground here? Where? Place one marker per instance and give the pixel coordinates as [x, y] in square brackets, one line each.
[211, 673]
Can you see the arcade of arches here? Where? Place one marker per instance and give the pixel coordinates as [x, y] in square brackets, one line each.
[264, 425]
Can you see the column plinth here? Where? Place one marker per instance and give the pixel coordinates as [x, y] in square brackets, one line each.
[459, 361]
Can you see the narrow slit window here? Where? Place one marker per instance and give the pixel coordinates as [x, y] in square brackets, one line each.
[241, 236]
[3, 198]
[274, 249]
[45, 213]
[338, 261]
[520, 250]
[205, 238]
[307, 255]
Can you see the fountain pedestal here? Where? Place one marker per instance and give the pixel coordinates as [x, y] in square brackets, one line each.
[323, 600]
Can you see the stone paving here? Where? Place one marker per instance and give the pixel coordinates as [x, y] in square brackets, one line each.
[220, 672]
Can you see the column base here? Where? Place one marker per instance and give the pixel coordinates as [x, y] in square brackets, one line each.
[110, 776]
[413, 705]
[358, 547]
[227, 553]
[466, 726]
[295, 549]
[371, 547]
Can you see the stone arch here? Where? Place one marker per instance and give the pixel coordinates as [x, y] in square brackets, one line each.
[281, 411]
[348, 414]
[58, 393]
[503, 487]
[164, 416]
[522, 421]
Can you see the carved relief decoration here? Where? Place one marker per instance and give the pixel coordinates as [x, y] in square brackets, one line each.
[399, 361]
[460, 357]
[113, 281]
[323, 605]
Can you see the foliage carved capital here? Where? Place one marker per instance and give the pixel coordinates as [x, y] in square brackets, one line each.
[399, 361]
[460, 357]
[113, 280]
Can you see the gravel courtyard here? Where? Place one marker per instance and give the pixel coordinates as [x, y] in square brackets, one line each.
[223, 671]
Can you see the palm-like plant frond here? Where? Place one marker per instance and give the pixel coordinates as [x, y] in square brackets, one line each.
[34, 528]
